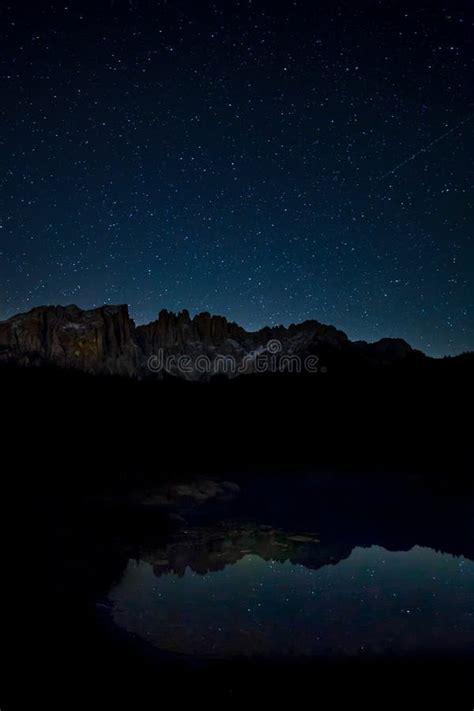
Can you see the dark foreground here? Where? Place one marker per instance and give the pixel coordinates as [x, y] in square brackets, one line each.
[387, 458]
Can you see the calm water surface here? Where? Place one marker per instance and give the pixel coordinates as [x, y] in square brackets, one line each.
[255, 590]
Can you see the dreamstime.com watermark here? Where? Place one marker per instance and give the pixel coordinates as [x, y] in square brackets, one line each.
[268, 359]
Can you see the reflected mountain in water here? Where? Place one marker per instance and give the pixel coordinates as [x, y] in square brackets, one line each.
[205, 550]
[210, 549]
[379, 569]
[253, 591]
[297, 569]
[314, 521]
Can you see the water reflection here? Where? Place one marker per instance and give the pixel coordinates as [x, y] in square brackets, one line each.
[238, 588]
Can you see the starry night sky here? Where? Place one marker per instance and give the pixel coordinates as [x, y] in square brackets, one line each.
[267, 161]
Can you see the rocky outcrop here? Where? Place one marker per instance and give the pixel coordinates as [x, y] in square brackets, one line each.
[100, 340]
[214, 337]
[106, 340]
[180, 333]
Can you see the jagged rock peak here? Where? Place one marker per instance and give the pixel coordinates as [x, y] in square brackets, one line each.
[105, 339]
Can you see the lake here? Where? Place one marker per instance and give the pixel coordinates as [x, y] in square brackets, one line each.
[337, 588]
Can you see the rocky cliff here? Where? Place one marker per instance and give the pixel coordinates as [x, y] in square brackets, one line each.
[99, 340]
[106, 340]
